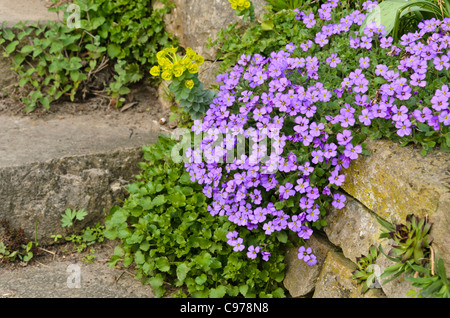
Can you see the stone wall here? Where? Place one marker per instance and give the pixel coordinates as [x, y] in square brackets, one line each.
[390, 183]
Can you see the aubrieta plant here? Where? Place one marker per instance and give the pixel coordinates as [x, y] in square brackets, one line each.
[302, 115]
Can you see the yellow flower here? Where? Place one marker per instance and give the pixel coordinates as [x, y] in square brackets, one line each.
[189, 84]
[155, 71]
[199, 59]
[166, 75]
[164, 62]
[185, 61]
[193, 68]
[178, 70]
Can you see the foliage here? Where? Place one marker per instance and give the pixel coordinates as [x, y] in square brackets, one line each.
[55, 60]
[365, 272]
[316, 108]
[410, 239]
[189, 92]
[400, 17]
[270, 33]
[14, 245]
[166, 230]
[279, 5]
[430, 283]
[87, 237]
[413, 255]
[244, 9]
[411, 245]
[70, 216]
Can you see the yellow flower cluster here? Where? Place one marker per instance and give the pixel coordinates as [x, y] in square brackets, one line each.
[240, 4]
[172, 65]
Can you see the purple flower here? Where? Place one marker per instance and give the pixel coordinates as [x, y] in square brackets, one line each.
[399, 114]
[268, 228]
[286, 191]
[339, 200]
[302, 185]
[418, 80]
[444, 117]
[305, 232]
[304, 253]
[424, 115]
[253, 251]
[333, 60]
[441, 62]
[306, 168]
[313, 215]
[309, 20]
[365, 117]
[404, 127]
[330, 150]
[312, 260]
[344, 137]
[364, 62]
[238, 246]
[336, 178]
[265, 255]
[317, 156]
[352, 152]
[439, 102]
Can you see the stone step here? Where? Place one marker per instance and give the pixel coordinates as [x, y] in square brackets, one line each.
[76, 162]
[31, 11]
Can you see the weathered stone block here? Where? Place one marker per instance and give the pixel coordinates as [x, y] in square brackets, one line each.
[354, 229]
[396, 181]
[49, 166]
[301, 278]
[193, 22]
[335, 280]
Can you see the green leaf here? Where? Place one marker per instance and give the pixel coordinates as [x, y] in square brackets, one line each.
[81, 214]
[114, 50]
[156, 281]
[267, 25]
[200, 280]
[218, 292]
[27, 49]
[159, 200]
[11, 46]
[139, 258]
[182, 271]
[162, 263]
[67, 218]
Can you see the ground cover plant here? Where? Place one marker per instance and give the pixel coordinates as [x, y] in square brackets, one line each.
[109, 48]
[178, 247]
[313, 104]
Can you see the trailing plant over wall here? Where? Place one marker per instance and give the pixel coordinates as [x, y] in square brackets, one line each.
[166, 230]
[315, 108]
[114, 45]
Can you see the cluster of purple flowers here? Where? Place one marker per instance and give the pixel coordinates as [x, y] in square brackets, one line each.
[260, 101]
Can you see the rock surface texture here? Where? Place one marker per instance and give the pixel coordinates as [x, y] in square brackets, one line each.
[77, 163]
